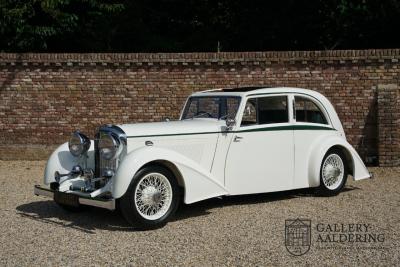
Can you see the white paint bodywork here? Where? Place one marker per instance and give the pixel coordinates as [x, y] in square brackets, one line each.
[209, 161]
[61, 160]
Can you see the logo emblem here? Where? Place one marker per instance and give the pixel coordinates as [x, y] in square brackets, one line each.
[298, 236]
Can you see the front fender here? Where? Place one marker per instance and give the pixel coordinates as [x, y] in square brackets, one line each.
[359, 171]
[198, 183]
[61, 160]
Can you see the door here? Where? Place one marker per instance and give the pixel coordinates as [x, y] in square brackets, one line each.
[261, 154]
[311, 125]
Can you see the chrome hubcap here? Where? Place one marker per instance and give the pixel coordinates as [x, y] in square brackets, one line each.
[332, 171]
[150, 196]
[153, 196]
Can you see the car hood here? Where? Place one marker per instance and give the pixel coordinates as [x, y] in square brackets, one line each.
[173, 127]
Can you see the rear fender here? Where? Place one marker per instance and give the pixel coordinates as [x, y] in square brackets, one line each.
[321, 147]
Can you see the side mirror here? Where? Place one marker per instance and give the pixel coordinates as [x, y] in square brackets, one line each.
[230, 123]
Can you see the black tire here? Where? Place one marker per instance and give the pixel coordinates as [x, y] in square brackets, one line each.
[323, 189]
[129, 209]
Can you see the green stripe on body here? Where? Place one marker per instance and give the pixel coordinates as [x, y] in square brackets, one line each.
[287, 127]
[265, 129]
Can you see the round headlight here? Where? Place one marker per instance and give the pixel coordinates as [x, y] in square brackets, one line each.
[109, 146]
[78, 144]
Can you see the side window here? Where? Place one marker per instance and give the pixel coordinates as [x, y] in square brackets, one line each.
[308, 111]
[265, 110]
[232, 105]
[272, 110]
[249, 113]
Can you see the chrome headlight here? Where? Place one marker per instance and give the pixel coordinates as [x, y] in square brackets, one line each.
[78, 144]
[109, 146]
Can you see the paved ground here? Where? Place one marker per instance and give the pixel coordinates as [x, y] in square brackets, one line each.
[247, 230]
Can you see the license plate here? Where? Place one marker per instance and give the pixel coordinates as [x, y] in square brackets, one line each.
[66, 199]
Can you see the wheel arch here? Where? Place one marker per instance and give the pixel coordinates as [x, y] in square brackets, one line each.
[348, 157]
[169, 166]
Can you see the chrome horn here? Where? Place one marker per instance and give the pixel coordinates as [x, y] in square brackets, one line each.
[76, 171]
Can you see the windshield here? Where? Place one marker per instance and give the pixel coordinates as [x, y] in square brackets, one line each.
[217, 107]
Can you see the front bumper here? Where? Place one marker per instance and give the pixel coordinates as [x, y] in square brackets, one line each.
[95, 202]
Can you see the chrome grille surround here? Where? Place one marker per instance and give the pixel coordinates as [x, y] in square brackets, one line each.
[102, 164]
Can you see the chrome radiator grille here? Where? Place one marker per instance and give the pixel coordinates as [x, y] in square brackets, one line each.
[107, 165]
[100, 163]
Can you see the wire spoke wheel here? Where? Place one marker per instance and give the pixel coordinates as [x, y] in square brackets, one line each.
[153, 196]
[333, 171]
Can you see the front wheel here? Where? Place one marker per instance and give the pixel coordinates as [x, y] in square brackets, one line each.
[333, 173]
[151, 199]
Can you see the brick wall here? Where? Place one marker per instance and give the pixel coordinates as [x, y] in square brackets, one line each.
[44, 97]
[388, 125]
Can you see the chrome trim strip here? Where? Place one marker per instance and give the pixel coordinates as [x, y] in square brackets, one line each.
[107, 204]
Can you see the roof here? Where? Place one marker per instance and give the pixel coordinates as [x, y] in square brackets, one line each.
[238, 89]
[253, 90]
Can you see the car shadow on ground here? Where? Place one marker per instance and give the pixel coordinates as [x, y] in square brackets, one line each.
[202, 208]
[95, 218]
[87, 221]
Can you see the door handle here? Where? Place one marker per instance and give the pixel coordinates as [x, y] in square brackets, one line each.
[237, 138]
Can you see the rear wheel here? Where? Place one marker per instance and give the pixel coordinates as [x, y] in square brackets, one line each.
[151, 199]
[333, 173]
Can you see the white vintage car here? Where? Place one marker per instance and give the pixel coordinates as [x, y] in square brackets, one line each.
[226, 142]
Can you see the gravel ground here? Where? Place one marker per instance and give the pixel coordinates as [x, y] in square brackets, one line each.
[245, 230]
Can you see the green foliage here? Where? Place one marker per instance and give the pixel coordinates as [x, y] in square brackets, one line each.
[29, 25]
[197, 25]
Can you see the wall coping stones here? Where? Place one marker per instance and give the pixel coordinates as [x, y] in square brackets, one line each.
[270, 56]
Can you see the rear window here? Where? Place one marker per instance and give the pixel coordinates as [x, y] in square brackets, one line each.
[308, 111]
